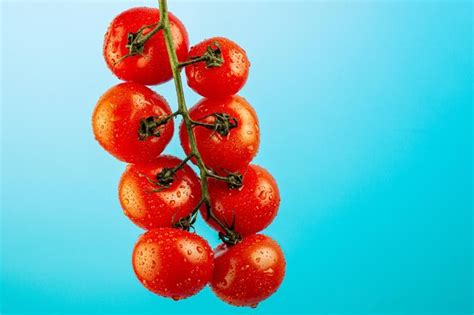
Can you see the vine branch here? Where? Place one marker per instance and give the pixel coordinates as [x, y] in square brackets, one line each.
[230, 236]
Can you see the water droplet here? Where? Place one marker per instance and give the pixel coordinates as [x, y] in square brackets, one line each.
[189, 252]
[178, 194]
[269, 271]
[263, 195]
[199, 249]
[254, 305]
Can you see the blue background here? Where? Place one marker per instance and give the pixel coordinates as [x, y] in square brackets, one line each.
[366, 122]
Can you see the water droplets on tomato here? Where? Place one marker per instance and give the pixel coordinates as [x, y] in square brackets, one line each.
[262, 195]
[269, 271]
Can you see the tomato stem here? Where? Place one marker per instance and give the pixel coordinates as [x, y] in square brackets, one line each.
[212, 57]
[223, 123]
[149, 126]
[136, 41]
[234, 180]
[183, 162]
[231, 236]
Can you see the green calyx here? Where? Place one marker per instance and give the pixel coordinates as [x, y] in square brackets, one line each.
[136, 41]
[212, 57]
[150, 126]
[223, 123]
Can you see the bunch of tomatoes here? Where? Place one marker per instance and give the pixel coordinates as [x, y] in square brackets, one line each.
[161, 193]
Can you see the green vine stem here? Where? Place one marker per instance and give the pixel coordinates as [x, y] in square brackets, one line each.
[230, 236]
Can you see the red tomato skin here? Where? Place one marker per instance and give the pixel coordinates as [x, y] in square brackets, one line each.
[254, 205]
[223, 154]
[173, 263]
[224, 80]
[249, 272]
[152, 66]
[116, 121]
[150, 210]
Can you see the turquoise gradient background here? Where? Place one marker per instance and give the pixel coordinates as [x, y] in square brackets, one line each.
[366, 121]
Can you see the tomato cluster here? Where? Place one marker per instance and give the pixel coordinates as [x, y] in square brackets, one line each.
[161, 193]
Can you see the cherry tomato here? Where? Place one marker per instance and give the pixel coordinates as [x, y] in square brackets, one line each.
[151, 204]
[217, 81]
[152, 65]
[249, 272]
[173, 263]
[117, 118]
[251, 207]
[224, 153]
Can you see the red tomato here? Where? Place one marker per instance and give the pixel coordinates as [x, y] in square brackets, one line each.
[173, 263]
[230, 153]
[116, 122]
[253, 206]
[152, 66]
[249, 272]
[149, 208]
[217, 81]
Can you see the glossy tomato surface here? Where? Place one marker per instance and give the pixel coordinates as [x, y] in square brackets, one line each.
[226, 79]
[249, 272]
[251, 207]
[116, 122]
[151, 205]
[173, 263]
[152, 66]
[230, 153]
